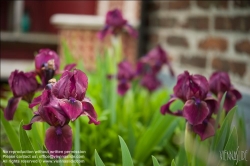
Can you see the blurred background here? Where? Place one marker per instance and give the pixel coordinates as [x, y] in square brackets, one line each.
[199, 36]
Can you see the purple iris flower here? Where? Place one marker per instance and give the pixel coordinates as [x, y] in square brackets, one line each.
[220, 83]
[198, 107]
[125, 75]
[114, 25]
[156, 58]
[150, 82]
[47, 62]
[60, 103]
[23, 86]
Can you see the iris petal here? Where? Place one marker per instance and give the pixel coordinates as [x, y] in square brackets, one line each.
[89, 110]
[36, 118]
[70, 66]
[205, 130]
[122, 88]
[72, 108]
[59, 139]
[195, 111]
[10, 110]
[35, 101]
[166, 108]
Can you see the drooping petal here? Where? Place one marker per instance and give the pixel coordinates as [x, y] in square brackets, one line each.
[166, 108]
[230, 101]
[58, 139]
[104, 32]
[206, 129]
[10, 110]
[89, 110]
[131, 30]
[70, 66]
[123, 87]
[35, 101]
[236, 93]
[195, 111]
[150, 82]
[71, 107]
[36, 118]
[52, 115]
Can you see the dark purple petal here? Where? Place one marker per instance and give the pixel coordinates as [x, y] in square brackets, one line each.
[70, 66]
[213, 105]
[71, 107]
[36, 118]
[236, 93]
[195, 111]
[59, 139]
[35, 101]
[189, 86]
[89, 110]
[150, 82]
[22, 83]
[230, 101]
[131, 30]
[125, 71]
[44, 56]
[180, 89]
[123, 87]
[166, 108]
[206, 129]
[52, 115]
[10, 110]
[219, 82]
[71, 84]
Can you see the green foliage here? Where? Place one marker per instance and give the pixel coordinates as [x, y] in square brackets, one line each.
[135, 117]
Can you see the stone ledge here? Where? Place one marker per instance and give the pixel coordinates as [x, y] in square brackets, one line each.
[74, 21]
[37, 38]
[7, 66]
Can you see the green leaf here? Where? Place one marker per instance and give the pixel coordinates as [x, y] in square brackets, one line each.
[223, 132]
[5, 160]
[10, 132]
[27, 146]
[155, 162]
[126, 157]
[98, 160]
[173, 163]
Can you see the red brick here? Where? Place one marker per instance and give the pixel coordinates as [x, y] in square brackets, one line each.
[177, 41]
[168, 22]
[241, 23]
[196, 61]
[197, 23]
[223, 23]
[153, 39]
[207, 4]
[229, 66]
[243, 46]
[176, 5]
[238, 23]
[213, 43]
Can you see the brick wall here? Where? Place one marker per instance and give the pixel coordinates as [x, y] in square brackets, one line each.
[203, 36]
